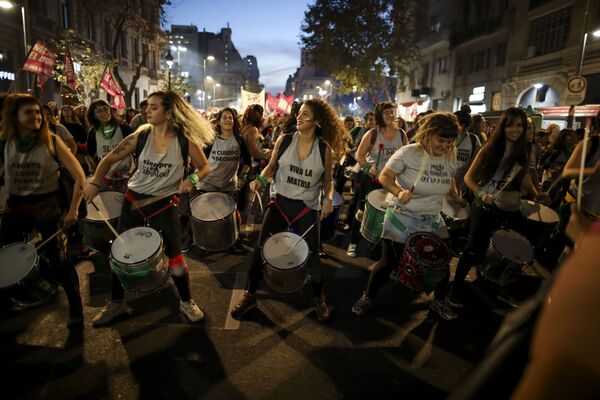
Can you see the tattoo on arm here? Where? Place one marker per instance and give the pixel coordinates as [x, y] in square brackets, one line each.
[123, 146]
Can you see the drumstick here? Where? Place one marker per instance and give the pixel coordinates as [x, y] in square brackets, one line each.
[581, 167]
[420, 171]
[49, 239]
[509, 180]
[105, 218]
[301, 238]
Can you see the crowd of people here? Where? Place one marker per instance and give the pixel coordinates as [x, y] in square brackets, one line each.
[395, 176]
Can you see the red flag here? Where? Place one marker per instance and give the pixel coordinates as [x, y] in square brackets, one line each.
[70, 76]
[272, 102]
[40, 60]
[118, 102]
[109, 84]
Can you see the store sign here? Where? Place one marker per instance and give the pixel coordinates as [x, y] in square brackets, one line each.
[496, 101]
[478, 94]
[7, 76]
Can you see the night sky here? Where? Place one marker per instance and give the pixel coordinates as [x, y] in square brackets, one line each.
[267, 29]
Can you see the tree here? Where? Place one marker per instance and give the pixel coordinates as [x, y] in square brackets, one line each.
[363, 42]
[179, 84]
[137, 19]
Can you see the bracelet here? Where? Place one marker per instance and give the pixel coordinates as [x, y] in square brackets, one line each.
[194, 178]
[365, 167]
[243, 176]
[264, 182]
[95, 184]
[480, 193]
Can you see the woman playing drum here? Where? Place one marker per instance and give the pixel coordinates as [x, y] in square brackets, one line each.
[498, 174]
[417, 177]
[31, 156]
[153, 188]
[300, 177]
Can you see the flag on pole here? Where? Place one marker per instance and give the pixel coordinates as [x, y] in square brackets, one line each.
[40, 60]
[69, 69]
[249, 98]
[118, 102]
[272, 102]
[109, 84]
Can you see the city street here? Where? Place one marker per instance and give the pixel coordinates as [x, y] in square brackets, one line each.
[279, 351]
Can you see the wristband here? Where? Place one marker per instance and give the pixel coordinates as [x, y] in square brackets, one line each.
[193, 177]
[480, 193]
[95, 184]
[365, 167]
[264, 182]
[243, 176]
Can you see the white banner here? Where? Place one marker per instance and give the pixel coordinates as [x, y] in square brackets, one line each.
[249, 98]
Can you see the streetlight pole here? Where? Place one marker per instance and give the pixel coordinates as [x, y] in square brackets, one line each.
[208, 58]
[7, 5]
[169, 60]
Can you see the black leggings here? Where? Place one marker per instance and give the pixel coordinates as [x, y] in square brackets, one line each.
[274, 222]
[367, 185]
[390, 256]
[484, 222]
[23, 214]
[167, 223]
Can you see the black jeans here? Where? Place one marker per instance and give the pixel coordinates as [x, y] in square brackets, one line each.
[390, 256]
[22, 215]
[484, 222]
[167, 223]
[274, 222]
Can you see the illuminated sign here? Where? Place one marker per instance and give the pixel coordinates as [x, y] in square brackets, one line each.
[9, 76]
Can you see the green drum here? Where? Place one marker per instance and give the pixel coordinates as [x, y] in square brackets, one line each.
[137, 258]
[371, 226]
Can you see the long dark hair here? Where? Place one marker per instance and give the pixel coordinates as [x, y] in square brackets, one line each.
[95, 122]
[379, 109]
[253, 115]
[493, 150]
[236, 122]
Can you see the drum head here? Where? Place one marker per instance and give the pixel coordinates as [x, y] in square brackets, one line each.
[377, 197]
[277, 245]
[16, 260]
[338, 200]
[212, 206]
[535, 211]
[108, 203]
[513, 246]
[451, 209]
[135, 245]
[428, 249]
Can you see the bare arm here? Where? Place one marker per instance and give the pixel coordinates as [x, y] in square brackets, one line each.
[363, 148]
[469, 180]
[68, 160]
[252, 142]
[123, 149]
[198, 157]
[574, 163]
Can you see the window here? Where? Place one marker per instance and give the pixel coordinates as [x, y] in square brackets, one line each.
[480, 60]
[549, 33]
[442, 65]
[424, 74]
[434, 24]
[136, 51]
[65, 14]
[501, 54]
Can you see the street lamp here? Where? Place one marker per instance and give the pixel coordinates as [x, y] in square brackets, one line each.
[169, 60]
[208, 58]
[7, 5]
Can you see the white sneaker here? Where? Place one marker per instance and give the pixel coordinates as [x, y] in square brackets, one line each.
[110, 312]
[351, 250]
[191, 311]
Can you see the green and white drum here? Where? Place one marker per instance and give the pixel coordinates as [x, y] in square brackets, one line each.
[137, 257]
[372, 221]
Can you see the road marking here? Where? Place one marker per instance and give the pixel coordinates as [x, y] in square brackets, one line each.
[239, 286]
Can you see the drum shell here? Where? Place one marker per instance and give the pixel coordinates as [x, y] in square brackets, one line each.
[500, 269]
[371, 226]
[35, 288]
[97, 235]
[217, 235]
[153, 272]
[286, 280]
[536, 230]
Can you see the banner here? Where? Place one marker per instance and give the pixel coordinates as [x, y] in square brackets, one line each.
[272, 103]
[118, 102]
[109, 84]
[69, 69]
[249, 98]
[40, 60]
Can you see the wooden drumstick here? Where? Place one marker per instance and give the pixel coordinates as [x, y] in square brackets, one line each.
[301, 238]
[49, 239]
[509, 180]
[581, 167]
[105, 218]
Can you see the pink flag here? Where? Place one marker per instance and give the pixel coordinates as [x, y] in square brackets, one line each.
[109, 84]
[272, 102]
[40, 60]
[118, 102]
[69, 69]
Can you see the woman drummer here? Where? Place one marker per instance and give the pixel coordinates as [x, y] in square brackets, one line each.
[153, 188]
[375, 149]
[226, 156]
[497, 175]
[301, 173]
[417, 177]
[31, 155]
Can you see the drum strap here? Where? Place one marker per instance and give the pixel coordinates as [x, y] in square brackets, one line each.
[129, 196]
[301, 214]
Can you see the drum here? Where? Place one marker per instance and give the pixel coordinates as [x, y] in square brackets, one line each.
[137, 258]
[457, 220]
[371, 226]
[328, 224]
[507, 254]
[539, 221]
[285, 255]
[96, 234]
[214, 222]
[424, 262]
[21, 278]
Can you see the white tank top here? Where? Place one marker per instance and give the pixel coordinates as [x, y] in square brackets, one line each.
[300, 180]
[388, 148]
[224, 160]
[158, 174]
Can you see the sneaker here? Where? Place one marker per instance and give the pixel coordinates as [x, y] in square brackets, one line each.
[453, 298]
[362, 305]
[443, 309]
[351, 250]
[112, 310]
[247, 303]
[321, 308]
[192, 312]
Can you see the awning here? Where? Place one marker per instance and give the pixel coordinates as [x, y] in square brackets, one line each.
[563, 111]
